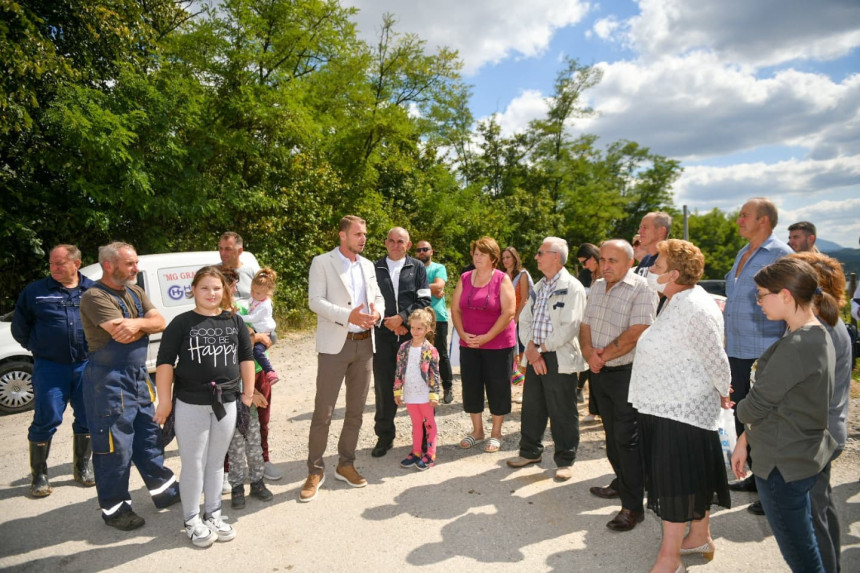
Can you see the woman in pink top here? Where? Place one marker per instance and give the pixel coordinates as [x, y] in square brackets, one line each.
[483, 311]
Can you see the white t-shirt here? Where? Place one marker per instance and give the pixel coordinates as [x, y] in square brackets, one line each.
[415, 389]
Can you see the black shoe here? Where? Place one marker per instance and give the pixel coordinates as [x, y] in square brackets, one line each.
[747, 484]
[237, 496]
[756, 508]
[124, 520]
[448, 397]
[381, 448]
[168, 497]
[580, 398]
[607, 492]
[260, 491]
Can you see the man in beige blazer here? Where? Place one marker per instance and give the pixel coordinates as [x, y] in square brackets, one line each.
[343, 292]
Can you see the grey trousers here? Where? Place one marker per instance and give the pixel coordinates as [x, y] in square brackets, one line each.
[825, 521]
[203, 441]
[352, 367]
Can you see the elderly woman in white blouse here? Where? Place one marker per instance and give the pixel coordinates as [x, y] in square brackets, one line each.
[679, 382]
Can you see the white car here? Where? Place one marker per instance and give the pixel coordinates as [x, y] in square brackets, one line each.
[166, 278]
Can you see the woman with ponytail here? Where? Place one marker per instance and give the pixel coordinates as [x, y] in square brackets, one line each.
[785, 413]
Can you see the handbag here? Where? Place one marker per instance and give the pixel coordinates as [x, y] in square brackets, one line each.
[728, 435]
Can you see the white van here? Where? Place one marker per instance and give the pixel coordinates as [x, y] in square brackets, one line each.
[166, 278]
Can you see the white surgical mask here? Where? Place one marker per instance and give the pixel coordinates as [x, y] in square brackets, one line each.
[652, 277]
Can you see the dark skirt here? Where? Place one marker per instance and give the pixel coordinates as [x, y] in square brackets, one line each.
[685, 470]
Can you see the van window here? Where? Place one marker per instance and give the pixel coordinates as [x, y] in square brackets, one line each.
[175, 284]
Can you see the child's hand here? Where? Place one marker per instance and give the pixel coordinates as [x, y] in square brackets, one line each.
[398, 400]
[434, 403]
[259, 400]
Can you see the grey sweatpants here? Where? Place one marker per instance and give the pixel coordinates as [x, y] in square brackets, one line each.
[203, 442]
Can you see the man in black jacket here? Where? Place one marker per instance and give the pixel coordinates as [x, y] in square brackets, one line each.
[403, 282]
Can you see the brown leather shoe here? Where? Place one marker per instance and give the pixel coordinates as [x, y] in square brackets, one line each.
[625, 520]
[349, 474]
[521, 462]
[311, 488]
[607, 492]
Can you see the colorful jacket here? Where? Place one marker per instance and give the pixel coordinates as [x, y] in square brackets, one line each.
[429, 368]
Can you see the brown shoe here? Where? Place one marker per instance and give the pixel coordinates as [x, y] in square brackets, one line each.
[521, 462]
[625, 520]
[564, 474]
[312, 487]
[607, 492]
[349, 474]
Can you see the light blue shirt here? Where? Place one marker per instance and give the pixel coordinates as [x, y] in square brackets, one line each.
[748, 331]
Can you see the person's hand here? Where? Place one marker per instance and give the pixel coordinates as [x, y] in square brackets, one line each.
[398, 400]
[392, 323]
[475, 340]
[262, 338]
[259, 400]
[126, 330]
[162, 412]
[247, 400]
[362, 319]
[726, 402]
[540, 366]
[596, 361]
[401, 331]
[739, 457]
[434, 403]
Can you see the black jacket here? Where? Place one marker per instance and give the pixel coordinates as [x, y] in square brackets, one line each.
[413, 293]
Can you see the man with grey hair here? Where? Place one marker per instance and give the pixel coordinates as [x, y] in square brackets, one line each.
[118, 318]
[47, 322]
[620, 307]
[403, 283]
[655, 227]
[549, 328]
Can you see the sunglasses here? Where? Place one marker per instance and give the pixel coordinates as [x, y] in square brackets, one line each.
[422, 249]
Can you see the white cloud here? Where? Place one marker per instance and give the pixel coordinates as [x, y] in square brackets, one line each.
[483, 32]
[758, 33]
[531, 104]
[605, 27]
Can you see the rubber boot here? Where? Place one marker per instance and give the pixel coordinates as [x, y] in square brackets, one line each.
[83, 465]
[40, 487]
[237, 497]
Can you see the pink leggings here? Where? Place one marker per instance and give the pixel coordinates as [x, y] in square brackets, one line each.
[423, 418]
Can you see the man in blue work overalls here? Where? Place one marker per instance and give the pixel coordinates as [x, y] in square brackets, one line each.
[118, 318]
[47, 322]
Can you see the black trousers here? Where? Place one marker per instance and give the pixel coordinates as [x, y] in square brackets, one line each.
[441, 343]
[384, 364]
[741, 369]
[622, 433]
[551, 397]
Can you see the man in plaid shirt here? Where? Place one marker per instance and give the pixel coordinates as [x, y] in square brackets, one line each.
[620, 308]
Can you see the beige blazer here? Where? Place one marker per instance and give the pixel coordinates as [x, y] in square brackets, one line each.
[330, 297]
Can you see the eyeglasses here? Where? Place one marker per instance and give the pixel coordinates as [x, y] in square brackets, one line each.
[422, 249]
[469, 303]
[542, 253]
[759, 296]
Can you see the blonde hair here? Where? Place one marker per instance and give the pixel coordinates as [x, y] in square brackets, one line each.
[427, 317]
[684, 257]
[266, 278]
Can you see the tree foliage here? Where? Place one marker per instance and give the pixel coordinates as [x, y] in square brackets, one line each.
[165, 123]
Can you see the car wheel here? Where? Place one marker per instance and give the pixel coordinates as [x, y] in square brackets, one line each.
[16, 387]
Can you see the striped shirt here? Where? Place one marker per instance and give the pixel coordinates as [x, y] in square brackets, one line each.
[608, 314]
[542, 326]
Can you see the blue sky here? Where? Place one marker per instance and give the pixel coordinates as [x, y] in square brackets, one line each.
[754, 98]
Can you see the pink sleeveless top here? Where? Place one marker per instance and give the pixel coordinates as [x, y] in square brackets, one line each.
[481, 308]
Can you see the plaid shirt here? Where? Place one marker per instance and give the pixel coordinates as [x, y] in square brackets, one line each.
[631, 301]
[542, 326]
[748, 331]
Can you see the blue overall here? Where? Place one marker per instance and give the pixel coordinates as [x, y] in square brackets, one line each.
[119, 399]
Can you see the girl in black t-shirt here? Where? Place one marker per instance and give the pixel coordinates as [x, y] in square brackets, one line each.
[206, 358]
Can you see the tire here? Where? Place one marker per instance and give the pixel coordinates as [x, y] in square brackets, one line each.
[16, 387]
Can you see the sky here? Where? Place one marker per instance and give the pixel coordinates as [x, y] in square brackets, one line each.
[754, 97]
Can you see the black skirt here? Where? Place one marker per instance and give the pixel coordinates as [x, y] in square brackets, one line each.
[685, 470]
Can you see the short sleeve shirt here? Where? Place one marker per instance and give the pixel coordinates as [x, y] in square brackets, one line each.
[98, 307]
[434, 271]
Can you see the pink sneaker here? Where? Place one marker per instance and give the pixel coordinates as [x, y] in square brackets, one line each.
[272, 377]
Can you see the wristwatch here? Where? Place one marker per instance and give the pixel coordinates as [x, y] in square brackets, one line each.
[537, 347]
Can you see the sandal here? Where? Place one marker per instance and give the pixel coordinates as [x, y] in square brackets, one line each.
[468, 442]
[493, 445]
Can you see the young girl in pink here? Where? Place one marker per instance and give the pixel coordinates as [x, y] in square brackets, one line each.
[416, 384]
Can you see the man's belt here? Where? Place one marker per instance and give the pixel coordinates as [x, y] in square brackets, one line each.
[617, 368]
[363, 335]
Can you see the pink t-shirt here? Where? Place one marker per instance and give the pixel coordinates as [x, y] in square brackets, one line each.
[481, 308]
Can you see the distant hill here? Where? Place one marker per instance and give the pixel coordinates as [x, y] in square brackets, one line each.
[826, 246]
[850, 259]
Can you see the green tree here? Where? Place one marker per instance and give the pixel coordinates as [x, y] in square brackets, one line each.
[716, 234]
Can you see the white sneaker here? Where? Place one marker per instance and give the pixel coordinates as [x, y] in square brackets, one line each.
[271, 472]
[199, 534]
[226, 487]
[220, 529]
